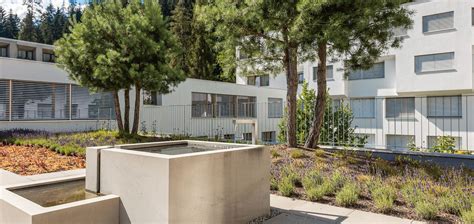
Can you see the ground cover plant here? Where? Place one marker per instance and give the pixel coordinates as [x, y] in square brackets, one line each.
[404, 188]
[28, 152]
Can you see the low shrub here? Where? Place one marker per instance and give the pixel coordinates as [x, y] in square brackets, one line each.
[286, 187]
[455, 201]
[348, 195]
[468, 216]
[315, 194]
[290, 173]
[274, 153]
[319, 153]
[297, 154]
[312, 179]
[338, 179]
[384, 198]
[426, 209]
[273, 183]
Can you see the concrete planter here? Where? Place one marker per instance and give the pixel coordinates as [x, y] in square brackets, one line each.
[17, 209]
[229, 184]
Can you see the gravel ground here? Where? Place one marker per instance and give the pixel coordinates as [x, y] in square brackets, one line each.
[273, 212]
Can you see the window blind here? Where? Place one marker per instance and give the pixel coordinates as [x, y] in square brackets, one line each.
[329, 72]
[445, 106]
[441, 21]
[264, 80]
[4, 99]
[400, 107]
[376, 71]
[363, 108]
[434, 62]
[87, 105]
[39, 101]
[275, 107]
[399, 142]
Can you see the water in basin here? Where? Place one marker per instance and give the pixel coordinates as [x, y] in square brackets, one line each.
[56, 194]
[182, 148]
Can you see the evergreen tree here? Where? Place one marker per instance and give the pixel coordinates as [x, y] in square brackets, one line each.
[28, 29]
[181, 27]
[46, 24]
[60, 24]
[3, 21]
[12, 25]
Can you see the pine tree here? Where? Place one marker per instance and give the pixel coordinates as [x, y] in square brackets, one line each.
[28, 30]
[12, 26]
[3, 20]
[60, 21]
[46, 24]
[181, 27]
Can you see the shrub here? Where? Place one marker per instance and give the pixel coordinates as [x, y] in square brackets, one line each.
[274, 153]
[382, 167]
[455, 202]
[384, 198]
[315, 194]
[319, 153]
[445, 144]
[273, 183]
[312, 180]
[297, 154]
[286, 187]
[327, 188]
[338, 179]
[348, 195]
[426, 209]
[468, 216]
[291, 174]
[411, 194]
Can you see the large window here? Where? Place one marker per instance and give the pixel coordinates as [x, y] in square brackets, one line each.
[201, 105]
[152, 98]
[363, 108]
[4, 51]
[376, 71]
[48, 57]
[399, 142]
[87, 105]
[26, 54]
[400, 107]
[438, 22]
[264, 80]
[275, 107]
[268, 137]
[39, 101]
[225, 106]
[246, 106]
[445, 106]
[434, 62]
[4, 99]
[329, 73]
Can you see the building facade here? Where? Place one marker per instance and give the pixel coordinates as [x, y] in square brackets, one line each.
[413, 94]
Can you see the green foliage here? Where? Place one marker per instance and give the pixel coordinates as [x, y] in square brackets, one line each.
[28, 30]
[319, 153]
[286, 186]
[384, 197]
[274, 153]
[468, 216]
[445, 144]
[337, 124]
[426, 209]
[312, 179]
[273, 183]
[338, 179]
[290, 173]
[316, 193]
[348, 195]
[297, 154]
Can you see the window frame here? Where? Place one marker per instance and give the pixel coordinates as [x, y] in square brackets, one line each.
[362, 77]
[438, 30]
[267, 80]
[300, 77]
[363, 99]
[453, 68]
[280, 108]
[328, 67]
[411, 114]
[429, 115]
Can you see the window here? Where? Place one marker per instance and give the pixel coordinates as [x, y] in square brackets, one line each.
[300, 77]
[399, 32]
[3, 51]
[247, 136]
[363, 108]
[444, 106]
[48, 57]
[201, 105]
[399, 142]
[4, 99]
[268, 137]
[400, 107]
[329, 72]
[434, 62]
[251, 80]
[275, 107]
[229, 136]
[225, 106]
[246, 106]
[472, 16]
[376, 71]
[26, 54]
[264, 80]
[433, 141]
[87, 105]
[39, 101]
[437, 22]
[152, 98]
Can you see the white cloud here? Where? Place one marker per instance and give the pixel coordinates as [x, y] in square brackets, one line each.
[20, 9]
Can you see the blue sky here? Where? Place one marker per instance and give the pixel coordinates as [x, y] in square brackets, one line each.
[20, 9]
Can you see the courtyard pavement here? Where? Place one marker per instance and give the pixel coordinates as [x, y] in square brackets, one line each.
[293, 211]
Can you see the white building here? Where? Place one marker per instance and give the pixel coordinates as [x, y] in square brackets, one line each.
[414, 93]
[36, 94]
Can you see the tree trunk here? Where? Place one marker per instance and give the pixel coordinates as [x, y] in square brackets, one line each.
[126, 125]
[118, 113]
[320, 104]
[136, 113]
[292, 85]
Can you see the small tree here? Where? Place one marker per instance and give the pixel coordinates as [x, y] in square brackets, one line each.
[118, 47]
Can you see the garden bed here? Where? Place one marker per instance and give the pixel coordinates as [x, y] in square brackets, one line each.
[25, 160]
[404, 187]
